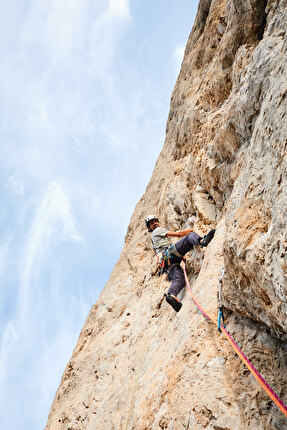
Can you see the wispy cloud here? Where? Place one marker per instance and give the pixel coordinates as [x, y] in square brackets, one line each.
[26, 342]
[57, 74]
[82, 120]
[69, 98]
[64, 52]
[53, 218]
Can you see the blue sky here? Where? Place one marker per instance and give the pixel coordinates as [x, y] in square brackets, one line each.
[84, 98]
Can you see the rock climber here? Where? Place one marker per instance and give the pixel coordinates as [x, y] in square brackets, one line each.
[161, 243]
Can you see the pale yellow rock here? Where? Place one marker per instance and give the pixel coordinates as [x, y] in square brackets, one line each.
[138, 364]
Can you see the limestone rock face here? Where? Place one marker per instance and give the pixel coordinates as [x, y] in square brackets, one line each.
[140, 365]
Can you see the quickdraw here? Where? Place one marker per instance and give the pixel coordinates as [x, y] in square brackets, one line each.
[220, 318]
[220, 311]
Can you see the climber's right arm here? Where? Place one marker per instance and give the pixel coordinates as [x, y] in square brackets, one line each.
[180, 233]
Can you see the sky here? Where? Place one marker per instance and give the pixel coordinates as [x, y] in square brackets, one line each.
[84, 98]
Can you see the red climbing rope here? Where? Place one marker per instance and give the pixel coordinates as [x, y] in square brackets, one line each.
[248, 364]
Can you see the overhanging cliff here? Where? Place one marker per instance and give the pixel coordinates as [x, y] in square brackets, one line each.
[137, 363]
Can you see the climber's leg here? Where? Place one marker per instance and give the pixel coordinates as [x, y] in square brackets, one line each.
[176, 277]
[187, 242]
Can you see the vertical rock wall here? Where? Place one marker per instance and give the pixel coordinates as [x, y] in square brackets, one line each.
[138, 364]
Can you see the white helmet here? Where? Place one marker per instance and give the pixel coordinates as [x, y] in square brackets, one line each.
[149, 218]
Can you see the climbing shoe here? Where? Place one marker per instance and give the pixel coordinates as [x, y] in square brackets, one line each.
[207, 238]
[173, 301]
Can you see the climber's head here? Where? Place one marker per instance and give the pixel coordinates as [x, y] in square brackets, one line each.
[151, 222]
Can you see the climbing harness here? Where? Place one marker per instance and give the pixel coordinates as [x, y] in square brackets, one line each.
[173, 251]
[159, 267]
[248, 364]
[163, 260]
[220, 311]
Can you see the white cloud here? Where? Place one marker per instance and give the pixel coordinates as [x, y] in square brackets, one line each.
[61, 67]
[26, 338]
[119, 8]
[53, 217]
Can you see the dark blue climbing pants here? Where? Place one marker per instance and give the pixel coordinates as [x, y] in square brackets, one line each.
[175, 273]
